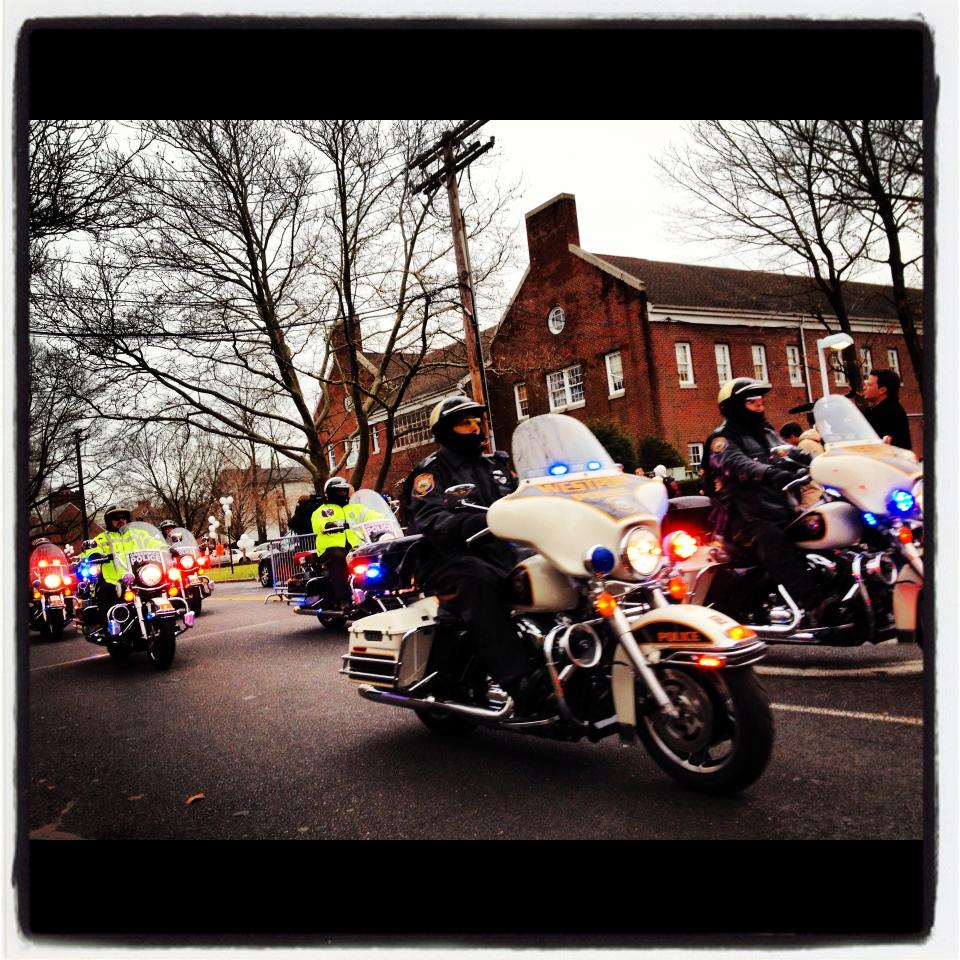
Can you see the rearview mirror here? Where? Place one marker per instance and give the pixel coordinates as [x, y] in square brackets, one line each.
[460, 491]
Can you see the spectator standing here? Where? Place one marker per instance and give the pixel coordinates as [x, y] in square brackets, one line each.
[885, 413]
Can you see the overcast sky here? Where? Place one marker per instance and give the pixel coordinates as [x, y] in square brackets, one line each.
[609, 166]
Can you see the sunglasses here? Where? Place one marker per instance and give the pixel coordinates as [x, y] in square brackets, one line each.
[469, 422]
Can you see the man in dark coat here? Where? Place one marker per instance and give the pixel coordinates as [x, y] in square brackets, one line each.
[745, 479]
[885, 412]
[300, 522]
[472, 576]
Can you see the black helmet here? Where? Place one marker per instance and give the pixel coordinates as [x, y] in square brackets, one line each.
[733, 393]
[114, 510]
[449, 410]
[336, 490]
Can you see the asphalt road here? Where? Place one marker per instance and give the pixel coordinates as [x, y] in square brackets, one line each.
[254, 723]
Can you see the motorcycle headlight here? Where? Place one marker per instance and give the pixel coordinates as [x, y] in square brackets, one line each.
[52, 581]
[150, 574]
[918, 495]
[641, 551]
[186, 562]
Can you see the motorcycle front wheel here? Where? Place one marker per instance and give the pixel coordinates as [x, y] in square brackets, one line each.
[53, 628]
[196, 601]
[162, 645]
[723, 737]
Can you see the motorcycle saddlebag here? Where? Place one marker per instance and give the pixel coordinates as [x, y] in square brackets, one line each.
[391, 649]
[396, 561]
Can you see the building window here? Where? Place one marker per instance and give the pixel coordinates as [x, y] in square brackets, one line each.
[724, 370]
[565, 388]
[839, 374]
[795, 366]
[331, 457]
[866, 361]
[615, 374]
[685, 365]
[695, 451]
[375, 434]
[412, 429]
[759, 362]
[556, 320]
[352, 448]
[893, 361]
[520, 397]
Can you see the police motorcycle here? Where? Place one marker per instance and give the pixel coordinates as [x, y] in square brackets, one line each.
[375, 583]
[190, 568]
[53, 589]
[149, 606]
[862, 542]
[589, 597]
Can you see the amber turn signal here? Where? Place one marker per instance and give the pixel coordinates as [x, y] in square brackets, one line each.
[605, 605]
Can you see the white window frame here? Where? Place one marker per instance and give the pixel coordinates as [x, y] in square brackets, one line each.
[405, 437]
[839, 373]
[375, 435]
[695, 451]
[721, 353]
[681, 348]
[795, 365]
[331, 457]
[613, 379]
[866, 361]
[352, 449]
[556, 318]
[521, 401]
[893, 360]
[758, 352]
[568, 384]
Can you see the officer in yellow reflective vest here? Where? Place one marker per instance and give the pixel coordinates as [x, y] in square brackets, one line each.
[116, 541]
[335, 539]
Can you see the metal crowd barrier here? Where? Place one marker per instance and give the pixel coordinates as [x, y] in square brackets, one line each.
[282, 552]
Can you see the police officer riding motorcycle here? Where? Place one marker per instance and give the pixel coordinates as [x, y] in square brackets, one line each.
[470, 575]
[745, 476]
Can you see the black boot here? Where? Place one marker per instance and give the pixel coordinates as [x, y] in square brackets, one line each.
[532, 694]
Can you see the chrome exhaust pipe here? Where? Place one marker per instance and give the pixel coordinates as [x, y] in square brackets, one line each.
[781, 629]
[412, 703]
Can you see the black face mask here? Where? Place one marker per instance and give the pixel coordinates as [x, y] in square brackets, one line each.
[338, 498]
[466, 444]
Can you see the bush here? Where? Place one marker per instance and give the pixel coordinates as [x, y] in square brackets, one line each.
[654, 450]
[616, 442]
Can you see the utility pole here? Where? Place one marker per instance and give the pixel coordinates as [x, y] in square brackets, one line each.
[83, 502]
[452, 164]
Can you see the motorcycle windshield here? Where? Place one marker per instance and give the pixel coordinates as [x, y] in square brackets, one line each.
[552, 445]
[840, 421]
[142, 543]
[187, 542]
[377, 521]
[47, 555]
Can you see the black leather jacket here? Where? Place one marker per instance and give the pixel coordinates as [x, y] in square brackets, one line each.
[436, 516]
[737, 476]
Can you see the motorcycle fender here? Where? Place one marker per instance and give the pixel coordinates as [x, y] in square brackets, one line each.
[679, 629]
[906, 598]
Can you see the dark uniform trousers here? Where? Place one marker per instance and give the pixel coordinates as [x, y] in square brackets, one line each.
[778, 555]
[334, 560]
[472, 578]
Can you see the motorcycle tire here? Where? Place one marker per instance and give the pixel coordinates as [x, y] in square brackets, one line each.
[162, 645]
[332, 621]
[723, 738]
[53, 628]
[445, 724]
[118, 652]
[195, 603]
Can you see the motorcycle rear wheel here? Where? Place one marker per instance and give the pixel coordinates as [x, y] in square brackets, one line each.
[332, 621]
[723, 738]
[162, 645]
[445, 724]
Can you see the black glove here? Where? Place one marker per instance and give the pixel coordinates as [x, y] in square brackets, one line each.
[473, 523]
[778, 478]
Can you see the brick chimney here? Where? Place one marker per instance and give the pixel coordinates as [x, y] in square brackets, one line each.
[551, 227]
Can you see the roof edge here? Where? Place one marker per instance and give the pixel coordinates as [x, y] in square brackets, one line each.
[628, 278]
[543, 206]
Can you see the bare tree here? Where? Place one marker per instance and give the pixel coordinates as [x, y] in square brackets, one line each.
[779, 186]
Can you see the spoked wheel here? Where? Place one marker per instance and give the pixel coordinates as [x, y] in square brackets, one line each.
[445, 724]
[722, 739]
[162, 645]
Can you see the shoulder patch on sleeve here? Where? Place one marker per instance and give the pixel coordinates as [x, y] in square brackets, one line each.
[423, 484]
[719, 443]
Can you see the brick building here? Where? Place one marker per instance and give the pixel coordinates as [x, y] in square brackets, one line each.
[647, 344]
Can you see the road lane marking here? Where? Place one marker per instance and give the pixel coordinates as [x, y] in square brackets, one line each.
[906, 668]
[850, 714]
[65, 663]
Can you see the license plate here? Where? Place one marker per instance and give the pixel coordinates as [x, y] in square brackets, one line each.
[164, 605]
[55, 601]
